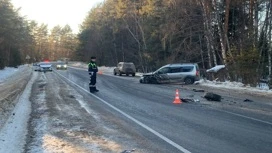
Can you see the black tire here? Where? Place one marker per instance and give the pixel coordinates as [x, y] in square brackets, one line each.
[127, 74]
[133, 74]
[120, 74]
[189, 80]
[114, 73]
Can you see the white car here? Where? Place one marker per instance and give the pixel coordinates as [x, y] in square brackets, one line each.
[45, 66]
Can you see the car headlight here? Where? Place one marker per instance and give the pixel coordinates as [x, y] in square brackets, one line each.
[58, 65]
[64, 66]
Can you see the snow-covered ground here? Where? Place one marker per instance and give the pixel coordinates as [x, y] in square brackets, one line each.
[235, 85]
[14, 131]
[7, 72]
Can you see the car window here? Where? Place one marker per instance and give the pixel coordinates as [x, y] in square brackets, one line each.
[128, 65]
[164, 70]
[187, 68]
[175, 69]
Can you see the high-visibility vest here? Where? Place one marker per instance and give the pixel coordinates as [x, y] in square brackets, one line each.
[93, 65]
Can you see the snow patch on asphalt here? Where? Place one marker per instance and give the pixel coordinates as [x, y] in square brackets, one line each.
[13, 133]
[82, 103]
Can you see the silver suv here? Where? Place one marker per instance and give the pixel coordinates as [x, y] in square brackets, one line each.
[172, 73]
[125, 68]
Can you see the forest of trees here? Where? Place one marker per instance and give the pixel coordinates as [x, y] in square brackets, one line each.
[20, 38]
[151, 33]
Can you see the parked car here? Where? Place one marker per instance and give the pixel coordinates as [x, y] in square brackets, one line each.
[171, 73]
[45, 66]
[61, 66]
[125, 68]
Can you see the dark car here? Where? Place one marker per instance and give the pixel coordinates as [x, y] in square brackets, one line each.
[125, 68]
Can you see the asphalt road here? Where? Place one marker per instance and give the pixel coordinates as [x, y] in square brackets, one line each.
[147, 111]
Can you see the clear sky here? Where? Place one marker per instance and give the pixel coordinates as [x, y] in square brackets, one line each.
[56, 12]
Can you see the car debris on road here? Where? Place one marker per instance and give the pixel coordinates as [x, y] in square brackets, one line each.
[189, 100]
[198, 90]
[248, 100]
[212, 96]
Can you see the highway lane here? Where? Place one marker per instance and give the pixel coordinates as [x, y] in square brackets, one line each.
[195, 127]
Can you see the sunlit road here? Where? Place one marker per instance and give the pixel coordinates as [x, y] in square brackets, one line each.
[189, 127]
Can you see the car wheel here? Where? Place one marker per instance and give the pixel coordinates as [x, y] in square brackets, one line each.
[133, 74]
[127, 74]
[188, 80]
[114, 73]
[120, 74]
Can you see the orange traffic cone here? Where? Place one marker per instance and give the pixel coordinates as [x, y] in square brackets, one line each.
[177, 99]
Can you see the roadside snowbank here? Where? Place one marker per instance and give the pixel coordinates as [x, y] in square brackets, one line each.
[78, 64]
[233, 85]
[14, 131]
[7, 72]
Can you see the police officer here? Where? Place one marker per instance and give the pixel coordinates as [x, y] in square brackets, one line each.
[92, 68]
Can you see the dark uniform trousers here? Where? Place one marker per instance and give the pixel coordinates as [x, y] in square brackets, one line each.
[92, 71]
[92, 83]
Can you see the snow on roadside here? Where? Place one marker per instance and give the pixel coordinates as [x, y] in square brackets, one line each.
[78, 64]
[85, 66]
[14, 131]
[233, 85]
[7, 72]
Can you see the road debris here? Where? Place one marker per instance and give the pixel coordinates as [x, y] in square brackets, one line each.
[212, 96]
[189, 100]
[248, 100]
[198, 90]
[128, 151]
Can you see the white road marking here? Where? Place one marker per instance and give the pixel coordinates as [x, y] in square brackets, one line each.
[228, 112]
[133, 119]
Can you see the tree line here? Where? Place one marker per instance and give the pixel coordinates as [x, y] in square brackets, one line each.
[151, 33]
[20, 38]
